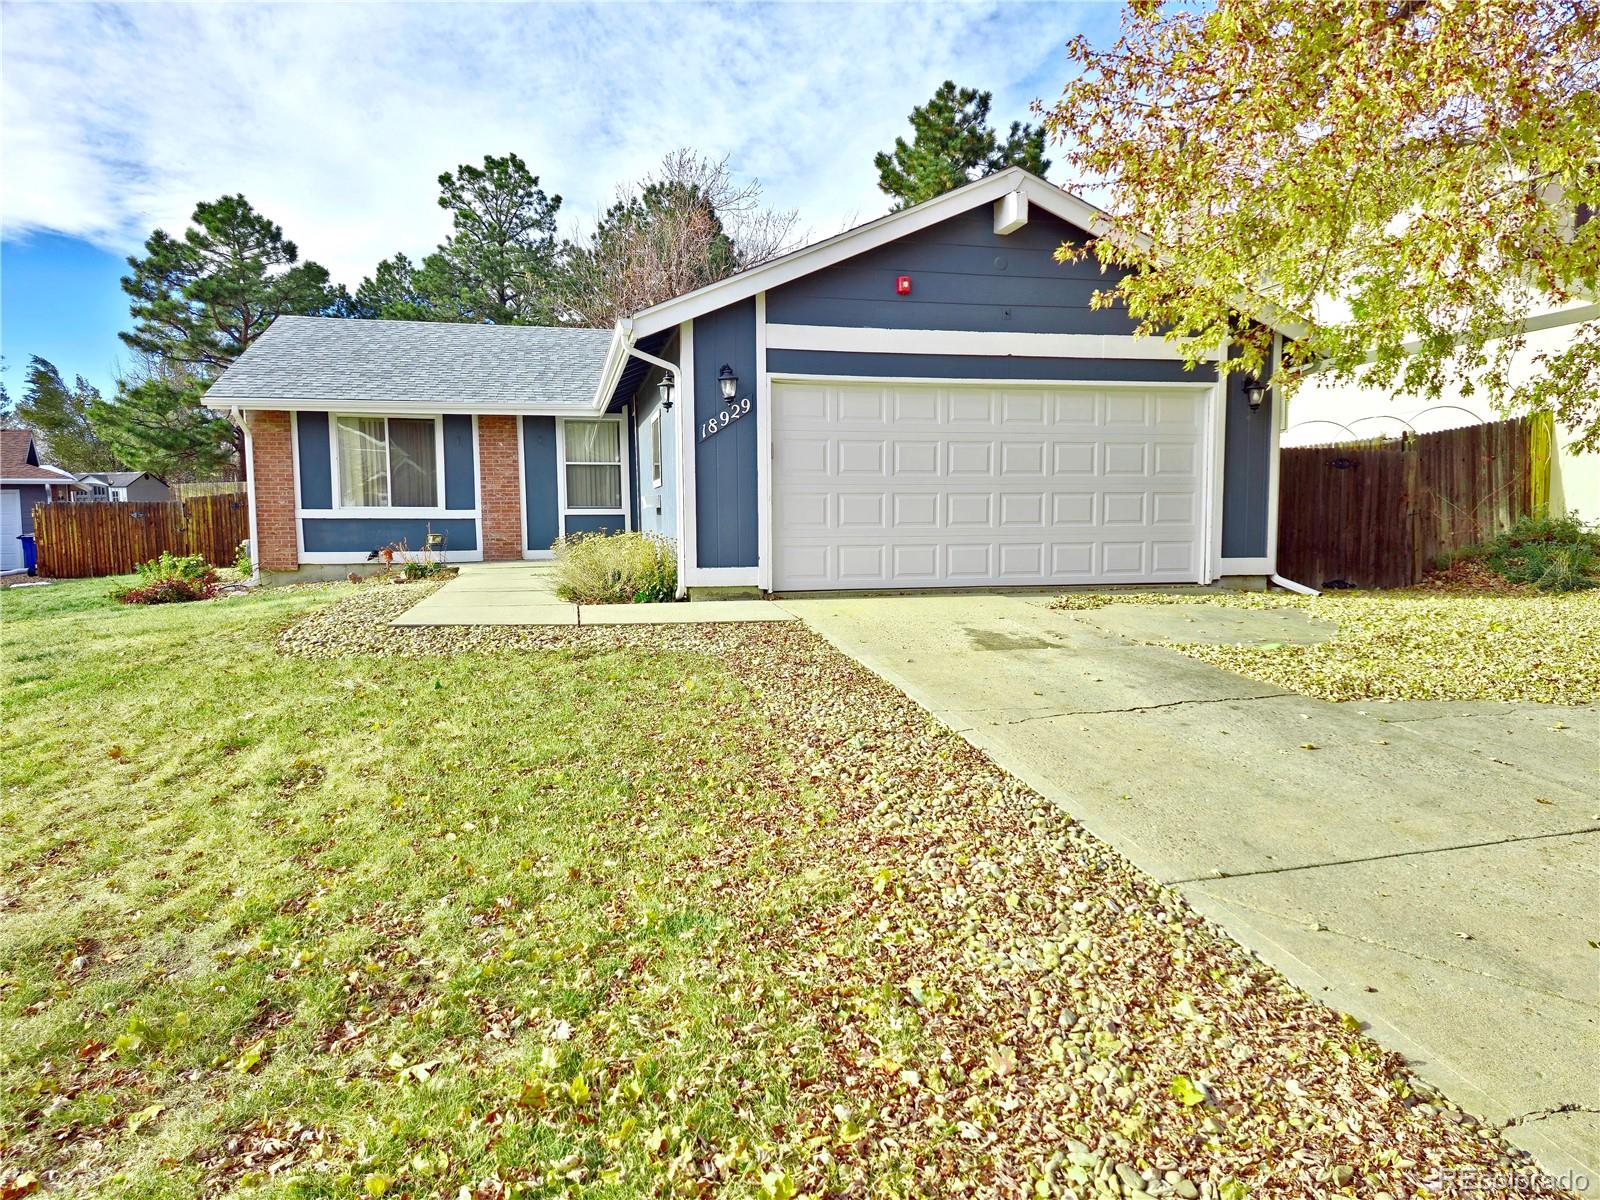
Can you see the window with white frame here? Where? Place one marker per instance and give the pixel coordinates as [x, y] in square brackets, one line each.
[655, 449]
[387, 462]
[594, 464]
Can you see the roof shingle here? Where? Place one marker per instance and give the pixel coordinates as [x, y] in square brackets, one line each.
[336, 360]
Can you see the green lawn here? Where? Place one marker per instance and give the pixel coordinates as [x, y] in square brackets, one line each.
[707, 910]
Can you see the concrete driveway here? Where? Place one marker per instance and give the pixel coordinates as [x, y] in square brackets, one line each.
[1431, 868]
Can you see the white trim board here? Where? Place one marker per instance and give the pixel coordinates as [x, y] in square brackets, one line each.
[967, 381]
[420, 407]
[891, 227]
[970, 342]
[342, 558]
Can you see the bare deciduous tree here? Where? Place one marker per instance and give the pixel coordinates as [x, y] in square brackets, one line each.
[688, 223]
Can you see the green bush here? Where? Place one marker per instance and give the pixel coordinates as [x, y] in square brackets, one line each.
[171, 579]
[1554, 554]
[618, 568]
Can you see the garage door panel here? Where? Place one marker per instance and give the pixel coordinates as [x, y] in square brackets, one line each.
[1074, 458]
[969, 509]
[861, 510]
[917, 458]
[1124, 458]
[917, 485]
[1022, 458]
[860, 457]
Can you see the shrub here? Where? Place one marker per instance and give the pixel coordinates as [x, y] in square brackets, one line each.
[171, 579]
[1554, 554]
[424, 569]
[619, 568]
[241, 558]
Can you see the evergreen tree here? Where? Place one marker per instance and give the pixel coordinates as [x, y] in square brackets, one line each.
[58, 417]
[952, 144]
[198, 302]
[500, 264]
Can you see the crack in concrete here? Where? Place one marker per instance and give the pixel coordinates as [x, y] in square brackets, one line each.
[1542, 1114]
[1350, 862]
[1107, 712]
[1402, 951]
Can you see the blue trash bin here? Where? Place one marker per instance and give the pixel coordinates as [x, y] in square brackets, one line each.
[30, 553]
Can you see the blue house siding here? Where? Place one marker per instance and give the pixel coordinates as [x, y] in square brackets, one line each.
[594, 523]
[316, 460]
[542, 515]
[29, 495]
[726, 532]
[963, 276]
[1246, 471]
[460, 463]
[361, 535]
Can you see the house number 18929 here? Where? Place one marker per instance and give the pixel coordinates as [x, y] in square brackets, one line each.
[735, 410]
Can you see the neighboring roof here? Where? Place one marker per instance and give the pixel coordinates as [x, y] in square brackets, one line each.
[315, 361]
[19, 461]
[117, 479]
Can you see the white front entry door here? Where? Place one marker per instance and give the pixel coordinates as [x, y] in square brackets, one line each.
[953, 485]
[10, 527]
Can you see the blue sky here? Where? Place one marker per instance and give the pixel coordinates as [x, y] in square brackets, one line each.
[336, 119]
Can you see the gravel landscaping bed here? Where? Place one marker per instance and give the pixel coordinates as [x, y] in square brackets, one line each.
[992, 1001]
[1422, 644]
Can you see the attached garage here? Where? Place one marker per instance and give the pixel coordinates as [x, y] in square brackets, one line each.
[910, 484]
[937, 400]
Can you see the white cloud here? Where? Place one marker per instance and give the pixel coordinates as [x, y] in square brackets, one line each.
[335, 120]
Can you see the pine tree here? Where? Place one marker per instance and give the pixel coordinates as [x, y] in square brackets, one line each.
[952, 144]
[198, 302]
[58, 417]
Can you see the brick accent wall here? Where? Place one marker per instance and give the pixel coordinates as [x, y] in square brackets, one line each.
[499, 490]
[272, 468]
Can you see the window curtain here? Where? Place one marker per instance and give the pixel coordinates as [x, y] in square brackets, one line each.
[594, 464]
[413, 465]
[363, 463]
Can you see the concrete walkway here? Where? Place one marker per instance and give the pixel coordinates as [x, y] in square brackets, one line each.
[523, 593]
[1431, 868]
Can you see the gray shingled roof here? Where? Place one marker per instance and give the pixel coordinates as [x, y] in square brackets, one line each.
[331, 359]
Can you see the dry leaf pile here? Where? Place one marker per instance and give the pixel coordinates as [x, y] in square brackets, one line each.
[1413, 645]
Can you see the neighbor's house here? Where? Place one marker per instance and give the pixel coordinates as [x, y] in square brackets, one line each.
[24, 483]
[1321, 411]
[928, 400]
[121, 487]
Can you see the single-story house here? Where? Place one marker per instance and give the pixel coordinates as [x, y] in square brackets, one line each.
[927, 400]
[122, 487]
[24, 483]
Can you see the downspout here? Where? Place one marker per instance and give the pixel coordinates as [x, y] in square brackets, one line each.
[1290, 585]
[250, 492]
[677, 386]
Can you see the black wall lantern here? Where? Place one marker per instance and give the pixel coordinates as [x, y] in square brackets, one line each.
[728, 382]
[665, 388]
[1255, 393]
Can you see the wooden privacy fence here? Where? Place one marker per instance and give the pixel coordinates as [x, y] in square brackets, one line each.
[1378, 514]
[76, 541]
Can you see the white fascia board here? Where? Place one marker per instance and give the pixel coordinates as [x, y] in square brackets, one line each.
[838, 248]
[971, 342]
[402, 408]
[1029, 189]
[622, 338]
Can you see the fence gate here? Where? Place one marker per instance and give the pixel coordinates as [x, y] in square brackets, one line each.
[76, 541]
[1377, 514]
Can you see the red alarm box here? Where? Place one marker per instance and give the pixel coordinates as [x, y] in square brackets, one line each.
[902, 285]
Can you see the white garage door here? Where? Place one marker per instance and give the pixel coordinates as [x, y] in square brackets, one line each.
[921, 485]
[10, 527]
